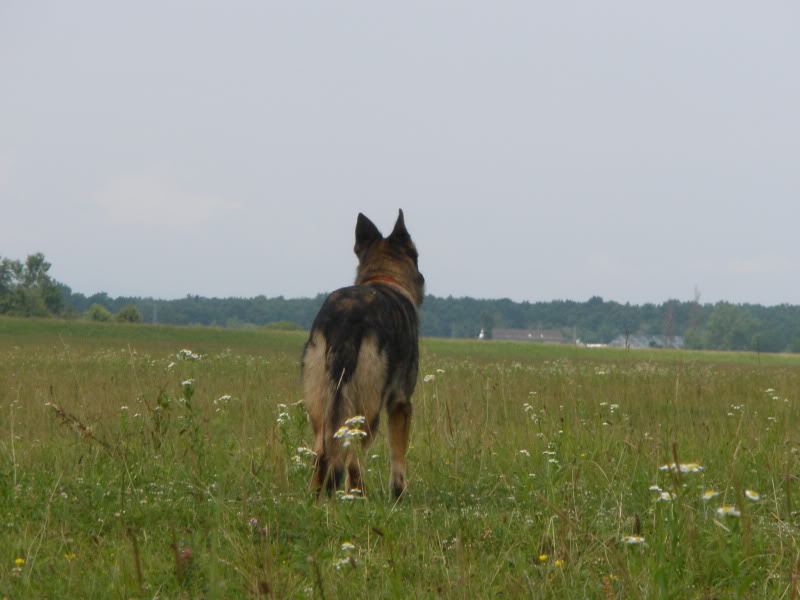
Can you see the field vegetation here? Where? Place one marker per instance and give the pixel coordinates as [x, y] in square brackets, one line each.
[169, 462]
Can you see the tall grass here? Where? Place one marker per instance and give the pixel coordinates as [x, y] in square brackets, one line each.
[126, 471]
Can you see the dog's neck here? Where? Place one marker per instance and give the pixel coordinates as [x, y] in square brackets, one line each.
[391, 281]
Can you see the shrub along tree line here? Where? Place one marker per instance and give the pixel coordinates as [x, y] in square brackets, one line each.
[27, 290]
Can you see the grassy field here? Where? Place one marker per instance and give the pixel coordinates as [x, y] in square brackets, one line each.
[128, 471]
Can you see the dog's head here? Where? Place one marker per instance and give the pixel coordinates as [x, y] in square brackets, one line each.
[392, 258]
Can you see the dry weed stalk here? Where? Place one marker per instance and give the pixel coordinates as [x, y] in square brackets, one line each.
[75, 423]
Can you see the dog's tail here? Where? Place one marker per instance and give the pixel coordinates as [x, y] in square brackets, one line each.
[331, 452]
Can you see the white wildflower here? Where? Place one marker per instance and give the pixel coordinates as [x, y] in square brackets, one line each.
[348, 434]
[683, 467]
[633, 539]
[752, 495]
[350, 497]
[726, 510]
[187, 354]
[357, 420]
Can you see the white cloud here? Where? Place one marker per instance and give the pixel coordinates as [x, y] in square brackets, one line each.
[156, 199]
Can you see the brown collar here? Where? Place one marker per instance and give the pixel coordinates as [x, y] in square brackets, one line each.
[382, 278]
[400, 288]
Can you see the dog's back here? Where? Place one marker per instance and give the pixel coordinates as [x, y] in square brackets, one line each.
[362, 355]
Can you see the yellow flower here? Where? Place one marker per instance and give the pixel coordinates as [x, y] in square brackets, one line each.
[19, 561]
[543, 557]
[559, 563]
[70, 555]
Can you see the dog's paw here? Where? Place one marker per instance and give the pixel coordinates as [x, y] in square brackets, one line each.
[399, 486]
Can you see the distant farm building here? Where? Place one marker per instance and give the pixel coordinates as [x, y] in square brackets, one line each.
[547, 336]
[648, 341]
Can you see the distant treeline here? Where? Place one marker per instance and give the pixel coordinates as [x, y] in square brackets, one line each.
[27, 290]
[721, 326]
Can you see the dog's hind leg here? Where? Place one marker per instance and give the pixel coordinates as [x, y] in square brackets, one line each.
[400, 411]
[320, 473]
[355, 469]
[362, 397]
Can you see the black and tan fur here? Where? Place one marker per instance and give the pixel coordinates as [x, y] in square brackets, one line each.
[362, 356]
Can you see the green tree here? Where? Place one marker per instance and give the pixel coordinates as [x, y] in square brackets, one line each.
[694, 339]
[6, 285]
[27, 290]
[98, 312]
[770, 340]
[730, 327]
[128, 314]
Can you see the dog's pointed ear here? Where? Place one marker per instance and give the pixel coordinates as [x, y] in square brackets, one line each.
[366, 233]
[400, 233]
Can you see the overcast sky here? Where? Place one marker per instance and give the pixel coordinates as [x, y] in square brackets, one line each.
[540, 150]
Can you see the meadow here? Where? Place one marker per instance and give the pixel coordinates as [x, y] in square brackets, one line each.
[169, 462]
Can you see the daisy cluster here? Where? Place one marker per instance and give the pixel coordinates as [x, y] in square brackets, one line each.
[726, 510]
[351, 430]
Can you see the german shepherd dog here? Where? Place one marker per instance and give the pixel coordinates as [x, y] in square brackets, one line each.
[362, 355]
